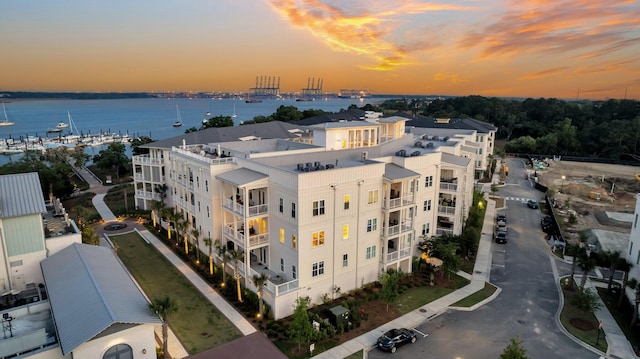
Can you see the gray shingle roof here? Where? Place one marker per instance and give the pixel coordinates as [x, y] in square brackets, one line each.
[21, 195]
[89, 291]
[395, 172]
[454, 123]
[241, 176]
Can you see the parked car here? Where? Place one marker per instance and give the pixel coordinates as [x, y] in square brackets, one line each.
[502, 217]
[500, 237]
[532, 203]
[501, 226]
[395, 338]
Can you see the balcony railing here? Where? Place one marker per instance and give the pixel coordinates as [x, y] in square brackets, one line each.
[399, 201]
[447, 209]
[233, 234]
[395, 255]
[233, 206]
[399, 228]
[258, 210]
[451, 187]
[148, 195]
[146, 160]
[440, 232]
[258, 239]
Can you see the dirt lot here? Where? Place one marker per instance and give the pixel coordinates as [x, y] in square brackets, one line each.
[583, 180]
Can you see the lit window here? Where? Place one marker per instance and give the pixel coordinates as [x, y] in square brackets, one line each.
[318, 208]
[371, 252]
[346, 201]
[294, 241]
[345, 260]
[345, 231]
[318, 239]
[282, 235]
[373, 196]
[372, 224]
[317, 269]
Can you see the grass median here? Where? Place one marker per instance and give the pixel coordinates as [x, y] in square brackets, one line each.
[197, 323]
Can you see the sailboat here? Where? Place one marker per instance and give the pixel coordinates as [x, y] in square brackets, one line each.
[178, 121]
[5, 121]
[234, 111]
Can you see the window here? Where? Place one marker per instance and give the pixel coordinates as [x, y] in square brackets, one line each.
[207, 211]
[428, 181]
[425, 229]
[282, 235]
[372, 224]
[346, 201]
[294, 241]
[410, 212]
[345, 231]
[318, 208]
[318, 239]
[630, 247]
[371, 252]
[294, 272]
[427, 205]
[635, 222]
[281, 264]
[281, 205]
[206, 185]
[345, 260]
[317, 269]
[638, 259]
[118, 351]
[373, 196]
[293, 210]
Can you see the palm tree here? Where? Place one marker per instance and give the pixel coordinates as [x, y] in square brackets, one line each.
[181, 227]
[237, 255]
[577, 249]
[633, 283]
[209, 244]
[259, 281]
[157, 207]
[169, 215]
[196, 234]
[222, 252]
[613, 258]
[586, 263]
[625, 266]
[164, 307]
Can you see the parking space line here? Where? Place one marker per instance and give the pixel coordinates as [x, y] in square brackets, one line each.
[423, 334]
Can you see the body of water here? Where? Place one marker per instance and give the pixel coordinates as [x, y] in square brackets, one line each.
[153, 117]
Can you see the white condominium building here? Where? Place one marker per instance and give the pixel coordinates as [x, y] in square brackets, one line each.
[322, 209]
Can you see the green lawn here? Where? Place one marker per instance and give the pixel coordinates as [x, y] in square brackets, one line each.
[198, 324]
[570, 312]
[357, 355]
[416, 297]
[477, 297]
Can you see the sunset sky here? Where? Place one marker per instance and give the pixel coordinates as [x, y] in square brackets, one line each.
[524, 48]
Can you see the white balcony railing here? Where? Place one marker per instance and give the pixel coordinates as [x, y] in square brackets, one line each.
[146, 160]
[400, 201]
[395, 255]
[258, 210]
[447, 209]
[258, 239]
[147, 195]
[451, 187]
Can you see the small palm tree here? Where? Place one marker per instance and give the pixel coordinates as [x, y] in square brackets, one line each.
[625, 266]
[170, 216]
[208, 242]
[157, 207]
[259, 281]
[237, 256]
[181, 228]
[222, 252]
[164, 307]
[196, 234]
[586, 263]
[613, 258]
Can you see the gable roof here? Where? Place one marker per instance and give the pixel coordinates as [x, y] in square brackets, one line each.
[90, 291]
[21, 195]
[272, 129]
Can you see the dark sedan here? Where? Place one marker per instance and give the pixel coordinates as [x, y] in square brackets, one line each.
[395, 338]
[532, 203]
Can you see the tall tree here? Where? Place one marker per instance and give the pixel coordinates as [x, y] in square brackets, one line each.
[390, 286]
[196, 235]
[114, 158]
[139, 141]
[209, 244]
[301, 328]
[164, 307]
[218, 121]
[224, 257]
[625, 266]
[259, 281]
[586, 263]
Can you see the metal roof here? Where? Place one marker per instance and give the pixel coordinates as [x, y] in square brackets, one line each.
[89, 291]
[455, 160]
[241, 176]
[395, 172]
[20, 195]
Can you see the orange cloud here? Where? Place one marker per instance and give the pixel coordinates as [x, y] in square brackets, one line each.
[545, 73]
[441, 76]
[355, 28]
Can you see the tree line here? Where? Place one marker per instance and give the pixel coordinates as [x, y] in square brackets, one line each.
[604, 129]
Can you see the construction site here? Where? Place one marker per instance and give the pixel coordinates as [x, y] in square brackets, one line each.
[601, 197]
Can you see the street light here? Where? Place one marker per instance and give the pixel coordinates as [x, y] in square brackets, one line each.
[562, 185]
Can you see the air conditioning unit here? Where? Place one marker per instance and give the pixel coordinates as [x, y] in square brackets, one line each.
[364, 156]
[418, 144]
[300, 167]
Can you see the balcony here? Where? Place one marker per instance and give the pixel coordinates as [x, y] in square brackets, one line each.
[146, 160]
[258, 210]
[232, 234]
[397, 254]
[449, 187]
[450, 210]
[398, 201]
[258, 239]
[234, 206]
[277, 284]
[185, 204]
[396, 229]
[148, 195]
[442, 232]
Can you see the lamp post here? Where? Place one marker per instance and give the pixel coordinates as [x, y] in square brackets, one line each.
[562, 185]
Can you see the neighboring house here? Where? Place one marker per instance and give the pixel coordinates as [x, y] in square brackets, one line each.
[323, 215]
[80, 303]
